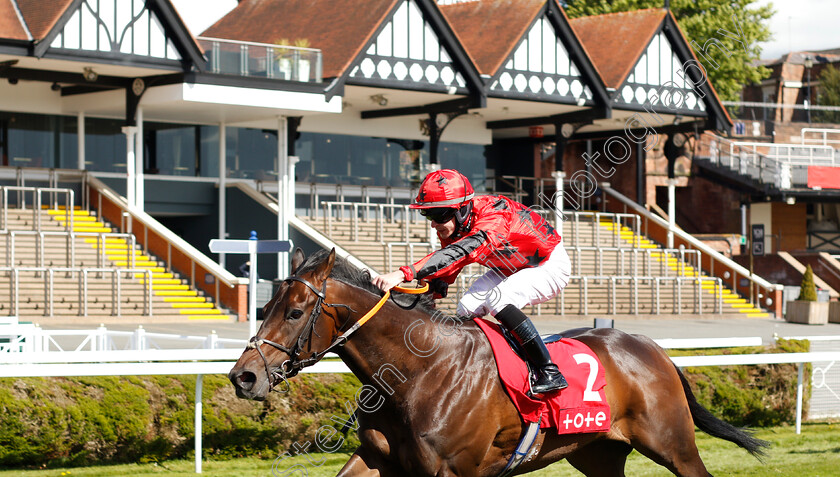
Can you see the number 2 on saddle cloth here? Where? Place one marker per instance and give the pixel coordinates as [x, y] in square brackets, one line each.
[582, 407]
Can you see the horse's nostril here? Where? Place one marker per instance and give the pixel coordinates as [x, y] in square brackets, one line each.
[245, 380]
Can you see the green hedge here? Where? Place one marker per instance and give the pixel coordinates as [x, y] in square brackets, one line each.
[80, 421]
[755, 396]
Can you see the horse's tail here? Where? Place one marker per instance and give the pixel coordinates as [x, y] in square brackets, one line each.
[713, 426]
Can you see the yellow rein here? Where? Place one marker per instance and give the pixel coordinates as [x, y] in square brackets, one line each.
[410, 291]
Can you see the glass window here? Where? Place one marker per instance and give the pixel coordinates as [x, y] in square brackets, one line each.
[170, 149]
[468, 159]
[209, 151]
[251, 153]
[105, 145]
[37, 140]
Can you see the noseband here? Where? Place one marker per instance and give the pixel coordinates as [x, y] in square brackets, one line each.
[291, 366]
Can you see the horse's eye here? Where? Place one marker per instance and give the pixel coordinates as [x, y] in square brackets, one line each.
[295, 314]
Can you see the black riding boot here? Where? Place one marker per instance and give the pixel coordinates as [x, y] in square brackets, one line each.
[549, 377]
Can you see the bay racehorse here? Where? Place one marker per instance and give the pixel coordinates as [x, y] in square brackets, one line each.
[432, 403]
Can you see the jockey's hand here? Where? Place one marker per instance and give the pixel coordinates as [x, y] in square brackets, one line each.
[389, 280]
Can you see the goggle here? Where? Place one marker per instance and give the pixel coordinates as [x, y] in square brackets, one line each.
[440, 215]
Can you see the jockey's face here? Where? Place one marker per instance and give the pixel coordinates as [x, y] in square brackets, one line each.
[446, 229]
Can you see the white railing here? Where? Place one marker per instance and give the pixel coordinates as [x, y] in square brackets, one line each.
[628, 261]
[70, 246]
[47, 274]
[597, 219]
[823, 136]
[37, 202]
[360, 212]
[791, 154]
[31, 338]
[640, 290]
[246, 58]
[731, 271]
[409, 252]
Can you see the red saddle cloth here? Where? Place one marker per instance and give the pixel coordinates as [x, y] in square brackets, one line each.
[581, 407]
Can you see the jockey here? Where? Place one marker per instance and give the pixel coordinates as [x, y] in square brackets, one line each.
[527, 261]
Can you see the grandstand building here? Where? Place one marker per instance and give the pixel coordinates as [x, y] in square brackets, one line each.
[315, 120]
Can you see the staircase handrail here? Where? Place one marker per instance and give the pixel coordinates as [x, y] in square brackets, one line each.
[771, 289]
[101, 238]
[37, 203]
[303, 227]
[193, 263]
[49, 280]
[824, 132]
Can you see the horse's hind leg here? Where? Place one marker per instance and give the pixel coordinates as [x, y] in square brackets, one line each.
[601, 459]
[670, 444]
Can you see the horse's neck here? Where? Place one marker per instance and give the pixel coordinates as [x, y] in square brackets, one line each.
[394, 342]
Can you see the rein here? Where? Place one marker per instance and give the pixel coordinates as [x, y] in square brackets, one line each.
[293, 365]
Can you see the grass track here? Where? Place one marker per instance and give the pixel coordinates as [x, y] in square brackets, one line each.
[814, 453]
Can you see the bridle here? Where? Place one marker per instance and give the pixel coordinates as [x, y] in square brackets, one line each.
[293, 365]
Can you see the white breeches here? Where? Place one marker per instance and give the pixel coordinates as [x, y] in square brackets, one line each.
[491, 292]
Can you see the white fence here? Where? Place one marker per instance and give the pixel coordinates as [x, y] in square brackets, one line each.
[198, 362]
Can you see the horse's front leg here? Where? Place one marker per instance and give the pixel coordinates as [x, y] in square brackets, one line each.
[364, 463]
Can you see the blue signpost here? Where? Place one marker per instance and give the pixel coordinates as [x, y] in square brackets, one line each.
[251, 247]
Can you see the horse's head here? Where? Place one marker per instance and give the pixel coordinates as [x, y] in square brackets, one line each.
[296, 329]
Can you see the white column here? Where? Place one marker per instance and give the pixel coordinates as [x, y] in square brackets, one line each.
[559, 176]
[129, 132]
[199, 387]
[282, 193]
[140, 187]
[222, 188]
[80, 135]
[672, 211]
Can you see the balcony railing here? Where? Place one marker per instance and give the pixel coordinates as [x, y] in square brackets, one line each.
[262, 60]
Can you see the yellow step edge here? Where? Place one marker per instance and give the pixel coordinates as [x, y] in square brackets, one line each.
[108, 240]
[163, 281]
[93, 229]
[741, 305]
[200, 311]
[182, 293]
[183, 299]
[76, 218]
[61, 210]
[155, 275]
[758, 315]
[191, 305]
[137, 263]
[209, 317]
[164, 288]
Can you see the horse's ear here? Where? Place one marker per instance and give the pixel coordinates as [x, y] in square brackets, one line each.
[297, 259]
[326, 266]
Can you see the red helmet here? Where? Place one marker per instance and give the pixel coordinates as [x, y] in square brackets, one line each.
[446, 188]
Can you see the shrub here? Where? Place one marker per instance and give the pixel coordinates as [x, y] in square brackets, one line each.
[755, 396]
[81, 421]
[807, 289]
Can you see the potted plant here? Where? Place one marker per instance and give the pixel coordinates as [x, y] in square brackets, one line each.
[303, 62]
[806, 309]
[283, 59]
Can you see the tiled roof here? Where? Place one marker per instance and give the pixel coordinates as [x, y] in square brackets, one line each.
[42, 15]
[339, 28]
[10, 26]
[489, 30]
[615, 41]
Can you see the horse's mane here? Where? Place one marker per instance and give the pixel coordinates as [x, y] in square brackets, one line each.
[346, 272]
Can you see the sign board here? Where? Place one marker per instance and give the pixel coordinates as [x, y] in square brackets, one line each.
[758, 240]
[248, 246]
[251, 247]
